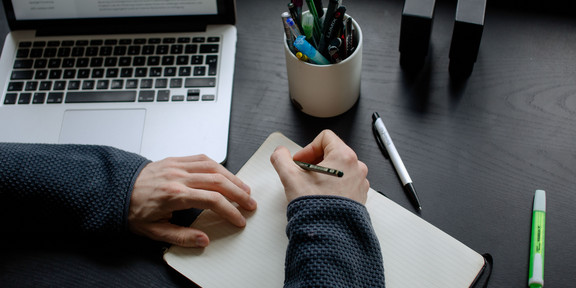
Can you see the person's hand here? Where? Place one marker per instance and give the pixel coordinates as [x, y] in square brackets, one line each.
[182, 183]
[326, 150]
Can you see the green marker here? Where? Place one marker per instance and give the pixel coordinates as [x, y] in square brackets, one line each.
[536, 273]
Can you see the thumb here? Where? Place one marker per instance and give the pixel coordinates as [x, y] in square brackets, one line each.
[178, 235]
[282, 161]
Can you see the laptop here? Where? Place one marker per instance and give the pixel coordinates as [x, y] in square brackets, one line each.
[150, 77]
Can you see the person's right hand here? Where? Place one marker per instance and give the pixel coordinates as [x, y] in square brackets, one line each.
[326, 150]
[182, 183]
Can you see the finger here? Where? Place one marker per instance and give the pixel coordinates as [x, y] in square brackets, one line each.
[197, 198]
[203, 164]
[177, 235]
[326, 142]
[219, 183]
[283, 163]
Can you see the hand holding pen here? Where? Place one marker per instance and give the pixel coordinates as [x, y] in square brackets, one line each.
[327, 150]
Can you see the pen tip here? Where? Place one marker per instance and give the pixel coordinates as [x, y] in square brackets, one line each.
[375, 116]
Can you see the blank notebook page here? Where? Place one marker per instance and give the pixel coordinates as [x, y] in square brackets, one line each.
[415, 253]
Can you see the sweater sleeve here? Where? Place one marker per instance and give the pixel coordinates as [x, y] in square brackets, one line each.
[331, 244]
[82, 187]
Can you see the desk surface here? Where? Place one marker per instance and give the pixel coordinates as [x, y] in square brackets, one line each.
[476, 150]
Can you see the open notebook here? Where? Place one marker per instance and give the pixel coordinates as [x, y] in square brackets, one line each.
[415, 253]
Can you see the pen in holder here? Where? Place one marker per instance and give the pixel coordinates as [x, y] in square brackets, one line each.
[325, 90]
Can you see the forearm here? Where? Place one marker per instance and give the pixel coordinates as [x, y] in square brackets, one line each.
[331, 244]
[90, 185]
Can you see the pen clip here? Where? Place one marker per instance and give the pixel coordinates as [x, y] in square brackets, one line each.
[379, 141]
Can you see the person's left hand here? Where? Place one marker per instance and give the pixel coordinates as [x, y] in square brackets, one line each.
[182, 183]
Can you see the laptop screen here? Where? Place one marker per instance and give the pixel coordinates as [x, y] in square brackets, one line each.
[117, 16]
[81, 9]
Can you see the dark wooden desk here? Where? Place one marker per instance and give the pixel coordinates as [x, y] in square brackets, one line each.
[476, 150]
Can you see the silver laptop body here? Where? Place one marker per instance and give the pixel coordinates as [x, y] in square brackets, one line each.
[150, 77]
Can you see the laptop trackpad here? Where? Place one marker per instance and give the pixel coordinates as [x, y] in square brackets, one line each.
[118, 128]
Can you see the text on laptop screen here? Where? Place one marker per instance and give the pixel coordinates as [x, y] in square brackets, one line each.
[78, 9]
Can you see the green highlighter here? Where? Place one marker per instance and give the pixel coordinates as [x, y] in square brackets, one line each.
[536, 273]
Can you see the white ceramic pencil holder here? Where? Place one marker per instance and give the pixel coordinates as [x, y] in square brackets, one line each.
[325, 90]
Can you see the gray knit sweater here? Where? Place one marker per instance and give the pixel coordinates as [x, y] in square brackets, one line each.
[332, 243]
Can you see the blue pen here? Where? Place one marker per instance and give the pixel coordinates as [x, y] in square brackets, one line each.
[303, 46]
[293, 27]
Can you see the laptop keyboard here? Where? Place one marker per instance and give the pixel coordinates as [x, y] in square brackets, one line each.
[115, 70]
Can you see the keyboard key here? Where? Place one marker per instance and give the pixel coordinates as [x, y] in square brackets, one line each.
[102, 84]
[45, 85]
[124, 61]
[64, 52]
[197, 59]
[83, 73]
[193, 95]
[141, 72]
[146, 96]
[182, 60]
[176, 83]
[209, 48]
[162, 49]
[199, 71]
[68, 62]
[22, 74]
[177, 98]
[176, 49]
[50, 52]
[146, 83]
[54, 63]
[169, 71]
[97, 73]
[209, 97]
[55, 74]
[82, 62]
[126, 72]
[23, 64]
[184, 71]
[191, 49]
[132, 84]
[41, 74]
[39, 98]
[31, 86]
[200, 82]
[10, 98]
[69, 74]
[155, 72]
[163, 96]
[112, 73]
[15, 86]
[161, 83]
[74, 85]
[55, 97]
[98, 97]
[59, 85]
[40, 63]
[24, 98]
[88, 84]
[117, 84]
[22, 53]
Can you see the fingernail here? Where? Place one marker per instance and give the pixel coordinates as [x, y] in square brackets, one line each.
[202, 241]
[253, 203]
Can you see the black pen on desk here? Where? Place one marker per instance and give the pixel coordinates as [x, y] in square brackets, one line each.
[383, 139]
[320, 169]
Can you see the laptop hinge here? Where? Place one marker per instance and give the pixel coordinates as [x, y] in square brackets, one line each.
[117, 29]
